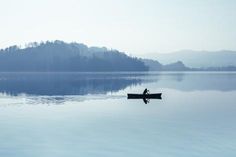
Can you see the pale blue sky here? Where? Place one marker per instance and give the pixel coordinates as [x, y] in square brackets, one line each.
[134, 26]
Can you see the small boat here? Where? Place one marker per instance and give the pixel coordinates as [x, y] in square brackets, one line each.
[145, 96]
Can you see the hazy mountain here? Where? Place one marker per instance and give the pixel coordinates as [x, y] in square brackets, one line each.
[61, 56]
[177, 66]
[199, 59]
[152, 64]
[157, 66]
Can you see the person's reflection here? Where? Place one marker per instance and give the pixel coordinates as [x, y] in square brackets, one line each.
[145, 100]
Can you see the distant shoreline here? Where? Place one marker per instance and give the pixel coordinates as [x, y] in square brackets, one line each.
[123, 72]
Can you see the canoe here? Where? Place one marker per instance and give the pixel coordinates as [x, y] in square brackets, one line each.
[146, 96]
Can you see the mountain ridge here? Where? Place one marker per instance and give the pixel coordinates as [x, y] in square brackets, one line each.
[199, 59]
[61, 56]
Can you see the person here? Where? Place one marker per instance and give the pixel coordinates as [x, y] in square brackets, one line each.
[146, 91]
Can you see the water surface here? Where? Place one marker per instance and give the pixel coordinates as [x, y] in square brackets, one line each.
[88, 114]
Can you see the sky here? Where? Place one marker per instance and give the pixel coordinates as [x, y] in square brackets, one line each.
[137, 27]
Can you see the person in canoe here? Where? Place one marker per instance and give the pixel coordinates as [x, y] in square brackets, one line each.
[146, 91]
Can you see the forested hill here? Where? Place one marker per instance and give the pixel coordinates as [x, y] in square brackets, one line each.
[59, 56]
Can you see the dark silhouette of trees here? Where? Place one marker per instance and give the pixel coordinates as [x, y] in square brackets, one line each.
[59, 56]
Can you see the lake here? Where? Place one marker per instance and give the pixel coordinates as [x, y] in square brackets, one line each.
[89, 115]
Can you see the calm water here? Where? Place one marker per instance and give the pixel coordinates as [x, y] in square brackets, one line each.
[88, 115]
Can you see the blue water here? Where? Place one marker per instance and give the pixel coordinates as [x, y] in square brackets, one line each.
[88, 115]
